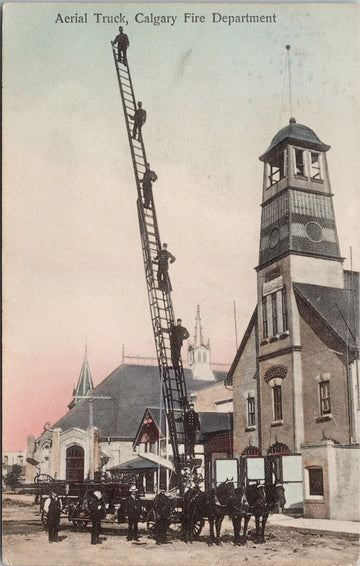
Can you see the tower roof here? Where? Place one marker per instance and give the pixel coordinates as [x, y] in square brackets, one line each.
[85, 383]
[295, 133]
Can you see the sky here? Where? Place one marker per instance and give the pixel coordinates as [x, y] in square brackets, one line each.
[215, 96]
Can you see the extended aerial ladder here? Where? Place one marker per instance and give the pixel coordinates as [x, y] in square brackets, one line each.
[161, 308]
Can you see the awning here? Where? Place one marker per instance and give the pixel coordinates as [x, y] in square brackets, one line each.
[32, 461]
[136, 464]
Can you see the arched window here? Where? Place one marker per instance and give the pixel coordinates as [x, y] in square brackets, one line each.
[279, 449]
[251, 452]
[75, 464]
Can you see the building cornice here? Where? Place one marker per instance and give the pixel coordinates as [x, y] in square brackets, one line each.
[281, 352]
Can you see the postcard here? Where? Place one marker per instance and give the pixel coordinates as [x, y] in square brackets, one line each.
[180, 283]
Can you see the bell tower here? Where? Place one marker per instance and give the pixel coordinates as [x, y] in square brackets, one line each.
[298, 244]
[297, 210]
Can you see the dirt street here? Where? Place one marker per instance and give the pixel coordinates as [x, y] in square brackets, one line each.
[25, 543]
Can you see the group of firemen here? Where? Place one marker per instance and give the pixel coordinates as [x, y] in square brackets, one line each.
[131, 508]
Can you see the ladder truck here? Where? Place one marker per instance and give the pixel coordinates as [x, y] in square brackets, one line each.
[161, 308]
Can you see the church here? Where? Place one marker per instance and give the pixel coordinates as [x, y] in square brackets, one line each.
[118, 428]
[295, 376]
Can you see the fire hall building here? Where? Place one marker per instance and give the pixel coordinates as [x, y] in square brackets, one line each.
[295, 376]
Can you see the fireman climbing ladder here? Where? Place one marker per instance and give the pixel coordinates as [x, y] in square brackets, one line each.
[161, 308]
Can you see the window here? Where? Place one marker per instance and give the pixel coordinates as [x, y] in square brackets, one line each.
[315, 162]
[264, 317]
[274, 314]
[316, 485]
[251, 411]
[325, 407]
[284, 310]
[277, 403]
[299, 162]
[276, 169]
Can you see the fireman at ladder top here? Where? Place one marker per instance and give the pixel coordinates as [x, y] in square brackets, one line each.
[122, 41]
[148, 179]
[139, 120]
[163, 257]
[178, 334]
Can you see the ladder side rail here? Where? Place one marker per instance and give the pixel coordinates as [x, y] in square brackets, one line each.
[127, 116]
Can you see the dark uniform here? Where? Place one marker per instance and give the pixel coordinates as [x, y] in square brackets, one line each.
[178, 334]
[122, 41]
[191, 426]
[97, 512]
[162, 509]
[52, 507]
[163, 257]
[132, 508]
[139, 120]
[148, 179]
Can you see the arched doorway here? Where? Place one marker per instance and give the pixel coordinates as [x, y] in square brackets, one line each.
[75, 464]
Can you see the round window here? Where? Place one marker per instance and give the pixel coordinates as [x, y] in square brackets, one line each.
[274, 237]
[314, 231]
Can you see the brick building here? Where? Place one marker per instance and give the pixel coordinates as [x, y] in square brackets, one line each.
[295, 376]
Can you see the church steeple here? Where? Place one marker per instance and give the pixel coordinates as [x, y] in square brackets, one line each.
[85, 383]
[297, 210]
[198, 330]
[199, 353]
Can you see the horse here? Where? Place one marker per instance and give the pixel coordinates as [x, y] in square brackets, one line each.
[262, 500]
[200, 505]
[237, 507]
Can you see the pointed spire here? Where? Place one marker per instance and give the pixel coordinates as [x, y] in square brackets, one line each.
[198, 330]
[85, 383]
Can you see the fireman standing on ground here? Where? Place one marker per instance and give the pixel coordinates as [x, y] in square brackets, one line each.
[52, 508]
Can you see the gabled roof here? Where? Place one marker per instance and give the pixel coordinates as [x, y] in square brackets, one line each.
[337, 308]
[158, 416]
[132, 389]
[251, 325]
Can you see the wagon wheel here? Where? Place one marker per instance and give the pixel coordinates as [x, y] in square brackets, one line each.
[151, 521]
[196, 528]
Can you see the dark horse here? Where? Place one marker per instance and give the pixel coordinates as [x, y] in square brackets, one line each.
[262, 500]
[200, 505]
[237, 507]
[255, 500]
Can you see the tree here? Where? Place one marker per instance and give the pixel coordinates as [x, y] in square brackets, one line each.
[11, 479]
